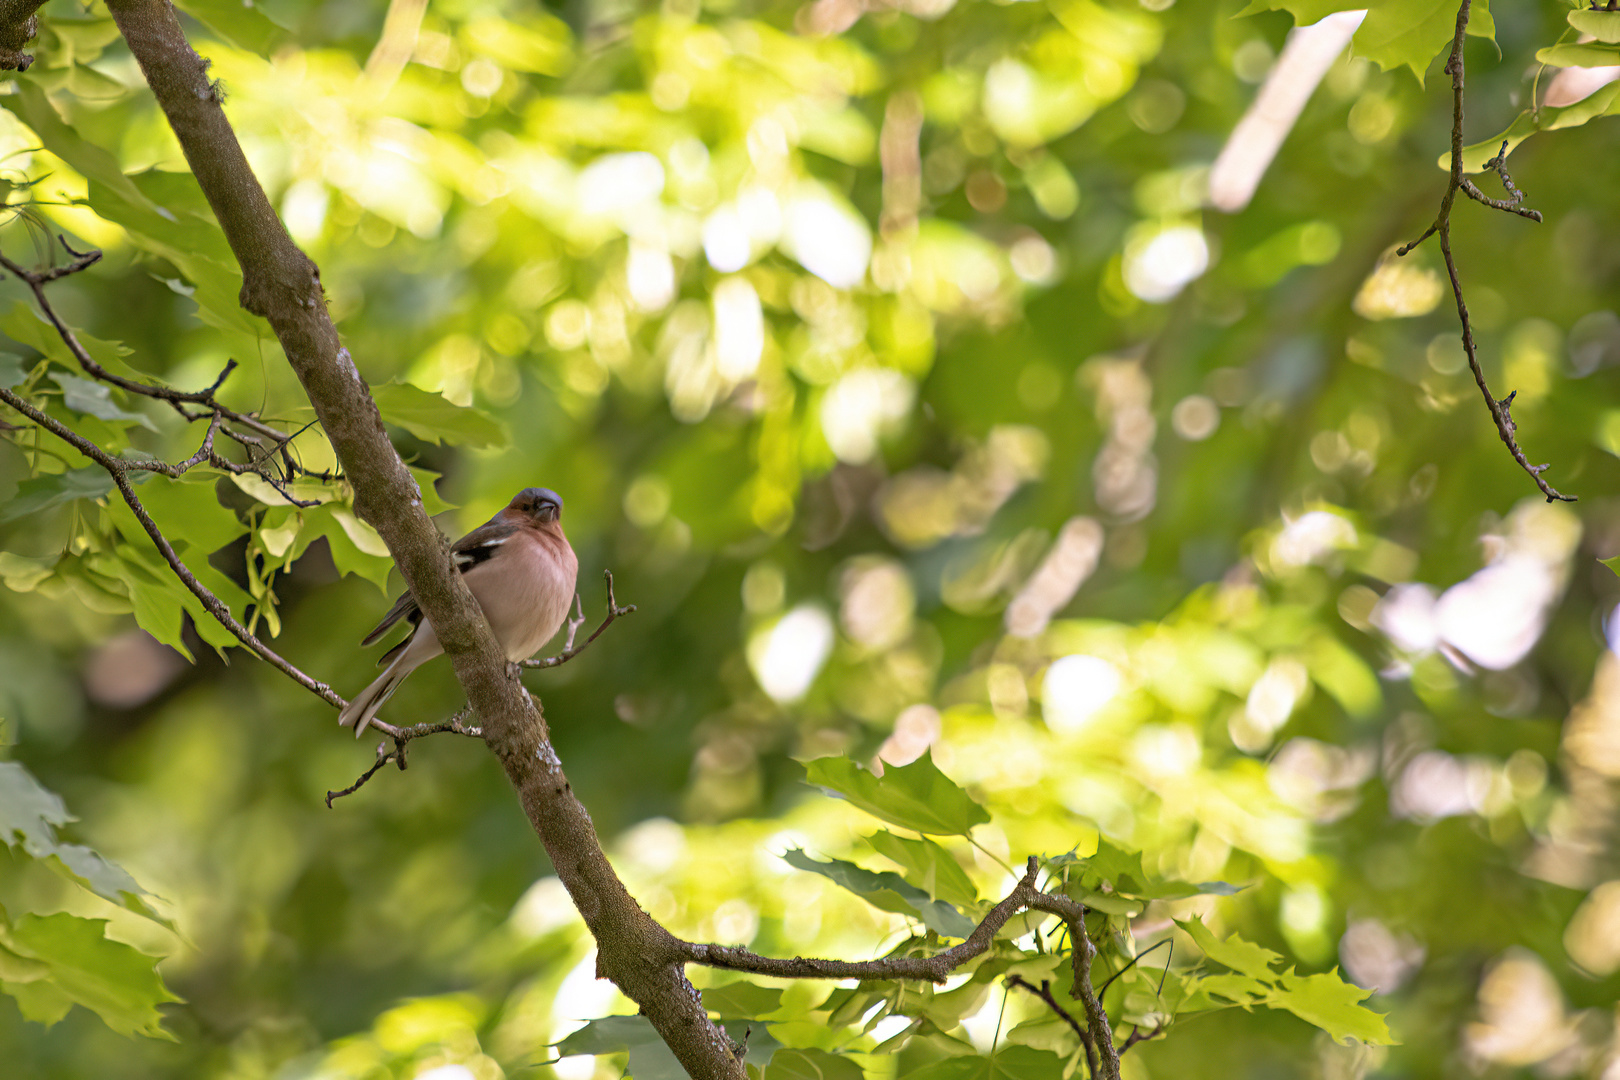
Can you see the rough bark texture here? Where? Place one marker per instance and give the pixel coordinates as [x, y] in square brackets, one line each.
[281, 284]
[18, 25]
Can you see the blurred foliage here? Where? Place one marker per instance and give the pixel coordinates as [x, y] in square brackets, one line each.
[889, 356]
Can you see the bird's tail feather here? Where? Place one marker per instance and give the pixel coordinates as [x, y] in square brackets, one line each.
[364, 707]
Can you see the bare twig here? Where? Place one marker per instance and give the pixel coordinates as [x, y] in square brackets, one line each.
[384, 756]
[1499, 409]
[36, 280]
[1044, 992]
[570, 650]
[119, 470]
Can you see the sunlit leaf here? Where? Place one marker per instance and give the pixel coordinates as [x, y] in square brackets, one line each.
[118, 983]
[1333, 1005]
[1603, 25]
[29, 816]
[1575, 55]
[916, 796]
[431, 417]
[1241, 956]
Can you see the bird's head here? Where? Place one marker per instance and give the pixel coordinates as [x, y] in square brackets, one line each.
[540, 505]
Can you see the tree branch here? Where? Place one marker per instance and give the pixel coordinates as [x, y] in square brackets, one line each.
[1044, 992]
[18, 25]
[569, 650]
[1499, 410]
[119, 470]
[938, 968]
[281, 284]
[36, 280]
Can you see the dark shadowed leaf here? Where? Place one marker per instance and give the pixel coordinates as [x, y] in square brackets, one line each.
[928, 866]
[790, 1064]
[1007, 1063]
[887, 891]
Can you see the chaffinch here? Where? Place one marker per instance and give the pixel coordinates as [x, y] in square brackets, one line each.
[520, 569]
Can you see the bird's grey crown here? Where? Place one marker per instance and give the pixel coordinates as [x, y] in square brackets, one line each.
[530, 497]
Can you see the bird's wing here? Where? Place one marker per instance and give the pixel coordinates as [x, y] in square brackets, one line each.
[482, 543]
[474, 548]
[405, 607]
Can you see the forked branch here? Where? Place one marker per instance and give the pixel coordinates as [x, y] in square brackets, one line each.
[1500, 410]
[1025, 896]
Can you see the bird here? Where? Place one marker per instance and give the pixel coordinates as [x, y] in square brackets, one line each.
[521, 570]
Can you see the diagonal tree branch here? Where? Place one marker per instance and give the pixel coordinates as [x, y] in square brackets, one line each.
[1500, 410]
[281, 284]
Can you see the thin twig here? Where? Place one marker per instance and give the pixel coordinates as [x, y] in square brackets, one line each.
[36, 280]
[119, 470]
[1499, 409]
[402, 737]
[570, 650]
[384, 756]
[1044, 992]
[1138, 1035]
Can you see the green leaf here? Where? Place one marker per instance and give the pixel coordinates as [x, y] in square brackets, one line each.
[742, 1001]
[1411, 33]
[1603, 25]
[1239, 955]
[928, 866]
[14, 370]
[609, 1035]
[95, 399]
[1334, 1006]
[24, 575]
[1007, 1063]
[239, 22]
[1613, 564]
[189, 511]
[356, 548]
[39, 1001]
[29, 815]
[650, 1058]
[916, 796]
[432, 503]
[1395, 33]
[44, 492]
[1048, 1031]
[1589, 54]
[435, 419]
[789, 1064]
[113, 980]
[89, 160]
[888, 892]
[25, 325]
[1600, 102]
